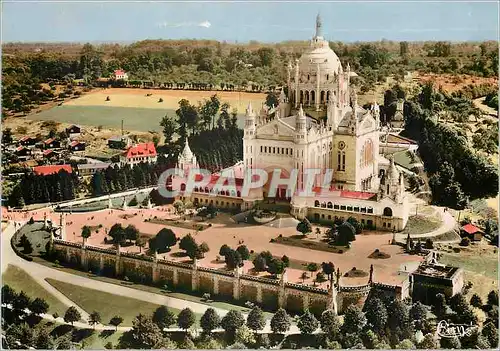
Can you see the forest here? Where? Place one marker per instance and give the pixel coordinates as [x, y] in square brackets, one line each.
[458, 173]
[215, 65]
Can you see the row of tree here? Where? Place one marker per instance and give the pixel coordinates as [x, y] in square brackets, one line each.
[458, 173]
[34, 188]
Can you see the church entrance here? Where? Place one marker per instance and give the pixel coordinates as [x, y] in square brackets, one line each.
[282, 193]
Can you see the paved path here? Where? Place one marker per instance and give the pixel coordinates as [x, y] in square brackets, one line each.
[40, 272]
[485, 108]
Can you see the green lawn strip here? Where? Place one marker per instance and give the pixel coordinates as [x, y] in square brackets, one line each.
[108, 305]
[308, 244]
[179, 295]
[486, 265]
[421, 225]
[19, 280]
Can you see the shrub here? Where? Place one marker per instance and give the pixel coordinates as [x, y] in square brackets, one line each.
[465, 242]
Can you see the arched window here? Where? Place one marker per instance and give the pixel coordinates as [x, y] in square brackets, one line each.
[238, 194]
[313, 95]
[329, 205]
[328, 96]
[183, 186]
[301, 96]
[323, 204]
[316, 203]
[388, 212]
[322, 96]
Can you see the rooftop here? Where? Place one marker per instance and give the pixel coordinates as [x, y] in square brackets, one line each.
[436, 271]
[51, 169]
[144, 149]
[471, 229]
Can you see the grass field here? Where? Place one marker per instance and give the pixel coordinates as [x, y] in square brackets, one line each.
[483, 264]
[19, 280]
[138, 111]
[108, 305]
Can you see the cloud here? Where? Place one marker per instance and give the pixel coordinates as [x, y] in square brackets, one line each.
[204, 24]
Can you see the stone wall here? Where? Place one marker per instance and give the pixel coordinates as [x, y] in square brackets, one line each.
[233, 285]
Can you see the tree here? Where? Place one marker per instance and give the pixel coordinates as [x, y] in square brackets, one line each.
[255, 319]
[145, 334]
[131, 232]
[356, 224]
[164, 240]
[163, 318]
[21, 302]
[406, 344]
[376, 314]
[354, 320]
[116, 321]
[95, 318]
[304, 276]
[307, 323]
[141, 242]
[244, 335]
[209, 321]
[72, 315]
[458, 302]
[44, 340]
[169, 128]
[233, 259]
[476, 301]
[330, 324]
[39, 306]
[8, 294]
[428, 343]
[304, 227]
[418, 313]
[186, 319]
[272, 99]
[189, 245]
[86, 232]
[244, 252]
[259, 263]
[179, 207]
[276, 266]
[224, 250]
[202, 250]
[286, 260]
[187, 116]
[328, 269]
[7, 136]
[64, 343]
[280, 323]
[117, 233]
[27, 247]
[450, 343]
[232, 321]
[490, 332]
[403, 48]
[312, 267]
[346, 234]
[493, 298]
[439, 306]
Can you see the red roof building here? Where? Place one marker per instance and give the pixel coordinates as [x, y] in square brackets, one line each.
[144, 152]
[473, 232]
[51, 169]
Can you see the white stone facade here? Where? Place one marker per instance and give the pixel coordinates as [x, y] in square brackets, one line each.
[294, 136]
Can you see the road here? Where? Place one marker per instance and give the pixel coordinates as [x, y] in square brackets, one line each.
[40, 272]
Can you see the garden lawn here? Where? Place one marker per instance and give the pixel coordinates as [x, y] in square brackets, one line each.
[108, 305]
[19, 280]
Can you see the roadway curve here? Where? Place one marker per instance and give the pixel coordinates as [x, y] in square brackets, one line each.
[40, 272]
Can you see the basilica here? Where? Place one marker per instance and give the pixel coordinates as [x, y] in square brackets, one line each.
[318, 124]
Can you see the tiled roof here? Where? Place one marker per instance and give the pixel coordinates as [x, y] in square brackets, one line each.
[76, 142]
[398, 139]
[119, 72]
[51, 169]
[144, 149]
[48, 152]
[471, 229]
[48, 141]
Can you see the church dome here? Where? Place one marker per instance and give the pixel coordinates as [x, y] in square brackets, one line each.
[187, 154]
[319, 53]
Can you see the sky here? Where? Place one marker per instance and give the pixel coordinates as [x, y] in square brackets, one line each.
[128, 21]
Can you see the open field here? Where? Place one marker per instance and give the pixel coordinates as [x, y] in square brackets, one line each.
[138, 111]
[133, 97]
[108, 305]
[19, 280]
[451, 83]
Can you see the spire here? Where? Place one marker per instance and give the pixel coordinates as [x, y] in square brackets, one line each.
[319, 25]
[187, 154]
[250, 109]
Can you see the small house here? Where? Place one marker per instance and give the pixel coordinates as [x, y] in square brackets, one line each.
[77, 145]
[120, 74]
[73, 131]
[119, 142]
[23, 152]
[51, 143]
[88, 169]
[49, 154]
[472, 232]
[28, 141]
